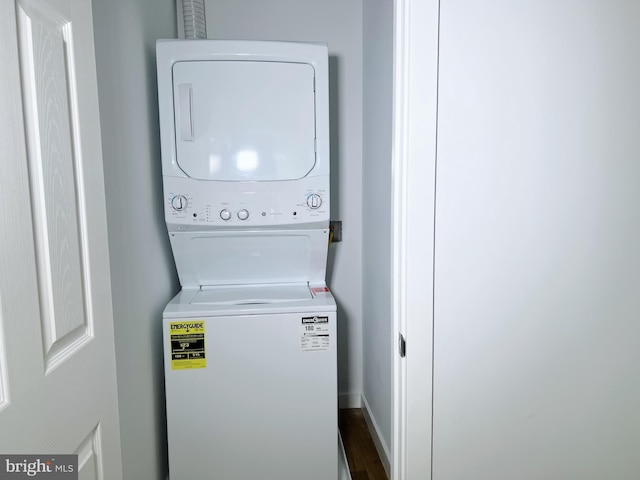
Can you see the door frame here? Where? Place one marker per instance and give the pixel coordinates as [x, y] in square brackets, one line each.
[414, 151]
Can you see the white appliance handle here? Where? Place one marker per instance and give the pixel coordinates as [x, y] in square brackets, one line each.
[185, 119]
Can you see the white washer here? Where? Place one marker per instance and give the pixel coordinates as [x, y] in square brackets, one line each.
[250, 341]
[265, 406]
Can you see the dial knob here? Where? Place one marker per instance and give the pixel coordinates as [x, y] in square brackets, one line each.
[314, 201]
[225, 214]
[243, 214]
[179, 203]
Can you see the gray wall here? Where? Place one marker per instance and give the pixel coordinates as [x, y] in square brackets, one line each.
[339, 24]
[142, 272]
[376, 215]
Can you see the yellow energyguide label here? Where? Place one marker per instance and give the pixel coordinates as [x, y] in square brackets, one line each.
[187, 344]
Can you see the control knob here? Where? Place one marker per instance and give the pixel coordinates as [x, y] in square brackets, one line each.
[314, 201]
[225, 214]
[243, 214]
[179, 203]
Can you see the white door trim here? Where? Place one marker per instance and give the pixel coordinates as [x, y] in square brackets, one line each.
[414, 168]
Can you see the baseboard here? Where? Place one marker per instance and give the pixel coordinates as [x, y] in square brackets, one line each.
[381, 446]
[349, 400]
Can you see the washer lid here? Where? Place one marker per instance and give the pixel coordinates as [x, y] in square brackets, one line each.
[251, 294]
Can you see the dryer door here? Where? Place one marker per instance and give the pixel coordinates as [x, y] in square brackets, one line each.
[244, 120]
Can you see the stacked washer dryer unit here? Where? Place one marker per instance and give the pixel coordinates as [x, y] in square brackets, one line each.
[250, 340]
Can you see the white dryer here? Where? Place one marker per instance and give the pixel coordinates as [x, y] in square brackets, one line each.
[250, 340]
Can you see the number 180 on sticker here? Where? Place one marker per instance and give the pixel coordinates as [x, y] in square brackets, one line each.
[315, 334]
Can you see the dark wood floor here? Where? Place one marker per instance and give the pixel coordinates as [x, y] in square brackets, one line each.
[362, 456]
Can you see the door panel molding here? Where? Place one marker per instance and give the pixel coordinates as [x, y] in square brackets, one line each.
[50, 100]
[90, 456]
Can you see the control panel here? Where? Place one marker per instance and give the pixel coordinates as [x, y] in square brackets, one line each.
[225, 204]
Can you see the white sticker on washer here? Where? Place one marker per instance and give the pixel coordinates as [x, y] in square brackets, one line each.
[315, 334]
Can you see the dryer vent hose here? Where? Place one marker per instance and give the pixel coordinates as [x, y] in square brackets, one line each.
[195, 24]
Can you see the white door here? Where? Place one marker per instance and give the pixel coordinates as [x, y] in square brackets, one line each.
[535, 303]
[57, 357]
[537, 259]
